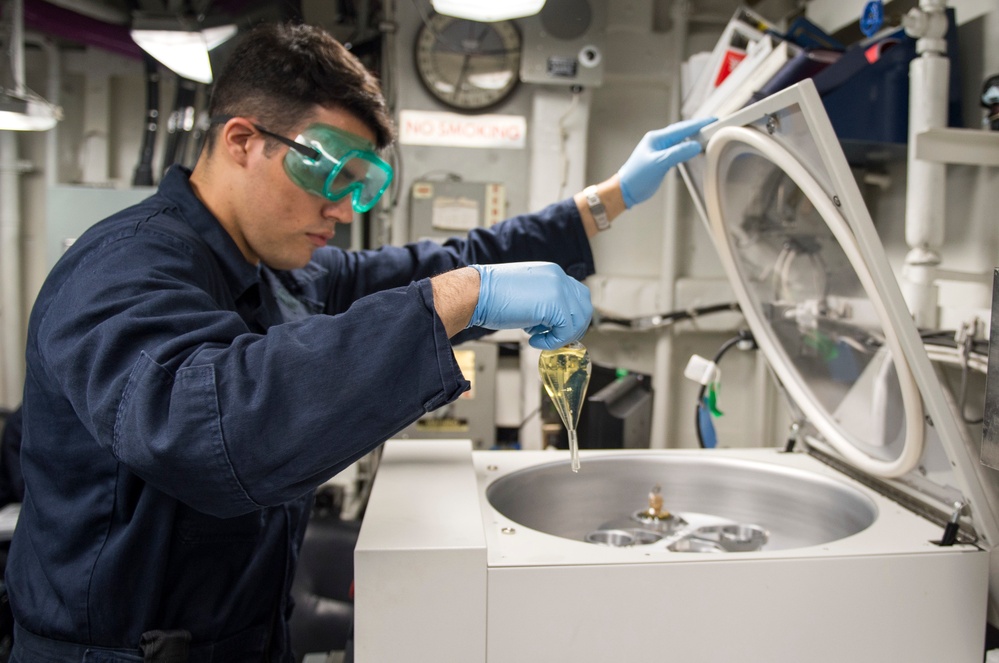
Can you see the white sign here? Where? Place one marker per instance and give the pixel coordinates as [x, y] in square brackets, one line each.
[454, 130]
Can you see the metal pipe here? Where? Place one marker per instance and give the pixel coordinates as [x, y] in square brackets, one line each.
[16, 46]
[11, 287]
[927, 181]
[11, 224]
[11, 281]
[663, 358]
[52, 88]
[671, 212]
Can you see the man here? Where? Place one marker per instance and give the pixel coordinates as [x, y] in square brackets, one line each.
[199, 363]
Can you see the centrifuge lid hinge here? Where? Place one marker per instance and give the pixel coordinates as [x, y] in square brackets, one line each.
[966, 533]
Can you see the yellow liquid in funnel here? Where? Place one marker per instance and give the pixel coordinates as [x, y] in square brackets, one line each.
[566, 374]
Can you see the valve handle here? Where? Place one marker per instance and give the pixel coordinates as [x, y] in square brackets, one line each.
[872, 18]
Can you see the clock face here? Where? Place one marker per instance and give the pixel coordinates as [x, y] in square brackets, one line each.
[466, 64]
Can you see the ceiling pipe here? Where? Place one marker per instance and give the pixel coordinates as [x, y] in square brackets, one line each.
[50, 19]
[95, 10]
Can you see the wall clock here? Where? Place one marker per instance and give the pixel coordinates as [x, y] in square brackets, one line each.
[467, 65]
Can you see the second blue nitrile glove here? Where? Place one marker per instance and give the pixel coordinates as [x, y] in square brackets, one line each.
[538, 297]
[656, 153]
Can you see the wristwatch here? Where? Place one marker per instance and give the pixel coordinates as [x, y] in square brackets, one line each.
[597, 208]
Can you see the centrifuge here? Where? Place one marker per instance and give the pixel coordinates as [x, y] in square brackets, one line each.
[872, 539]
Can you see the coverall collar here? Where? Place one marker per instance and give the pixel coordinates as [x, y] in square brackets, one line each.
[239, 274]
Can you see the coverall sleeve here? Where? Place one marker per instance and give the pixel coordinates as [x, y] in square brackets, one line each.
[554, 234]
[183, 394]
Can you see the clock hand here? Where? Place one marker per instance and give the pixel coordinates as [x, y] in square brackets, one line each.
[474, 42]
[461, 76]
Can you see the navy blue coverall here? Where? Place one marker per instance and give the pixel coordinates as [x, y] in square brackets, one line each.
[181, 405]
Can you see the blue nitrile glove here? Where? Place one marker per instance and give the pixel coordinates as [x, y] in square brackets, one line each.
[538, 297]
[656, 153]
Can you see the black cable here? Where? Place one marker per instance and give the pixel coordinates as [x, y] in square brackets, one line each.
[934, 333]
[945, 338]
[143, 175]
[177, 130]
[533, 413]
[672, 317]
[743, 335]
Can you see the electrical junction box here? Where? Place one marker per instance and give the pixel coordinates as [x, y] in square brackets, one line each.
[444, 209]
[564, 43]
[473, 415]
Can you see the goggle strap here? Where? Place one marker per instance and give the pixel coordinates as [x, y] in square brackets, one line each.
[304, 150]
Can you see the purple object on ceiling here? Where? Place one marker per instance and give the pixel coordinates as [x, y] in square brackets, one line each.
[49, 19]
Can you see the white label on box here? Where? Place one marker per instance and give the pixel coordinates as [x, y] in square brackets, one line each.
[455, 214]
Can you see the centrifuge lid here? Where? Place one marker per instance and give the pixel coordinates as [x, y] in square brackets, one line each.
[816, 288]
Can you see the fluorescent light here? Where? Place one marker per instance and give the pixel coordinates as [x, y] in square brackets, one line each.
[19, 113]
[487, 10]
[20, 108]
[184, 52]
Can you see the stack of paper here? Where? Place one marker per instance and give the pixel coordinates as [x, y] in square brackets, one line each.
[743, 30]
[765, 58]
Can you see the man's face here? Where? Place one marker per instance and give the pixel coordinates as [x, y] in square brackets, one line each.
[280, 223]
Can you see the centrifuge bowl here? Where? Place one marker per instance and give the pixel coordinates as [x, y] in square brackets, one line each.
[797, 508]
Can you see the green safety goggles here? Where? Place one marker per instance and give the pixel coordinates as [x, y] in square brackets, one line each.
[333, 163]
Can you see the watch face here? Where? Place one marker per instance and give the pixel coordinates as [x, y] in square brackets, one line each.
[466, 64]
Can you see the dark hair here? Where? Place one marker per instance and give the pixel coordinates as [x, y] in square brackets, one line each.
[278, 73]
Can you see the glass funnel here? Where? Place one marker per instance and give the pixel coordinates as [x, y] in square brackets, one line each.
[565, 373]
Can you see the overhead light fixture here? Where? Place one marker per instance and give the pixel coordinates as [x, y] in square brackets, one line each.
[181, 44]
[487, 11]
[26, 112]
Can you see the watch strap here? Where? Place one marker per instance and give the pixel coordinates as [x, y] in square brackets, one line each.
[597, 209]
